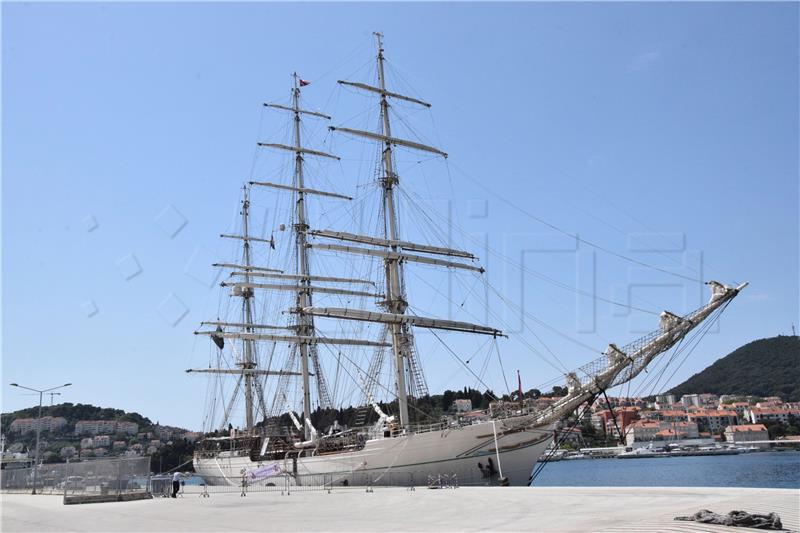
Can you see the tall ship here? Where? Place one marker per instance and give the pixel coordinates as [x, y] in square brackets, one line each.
[288, 315]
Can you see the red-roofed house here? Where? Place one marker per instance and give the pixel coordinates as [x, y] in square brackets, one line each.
[670, 434]
[758, 415]
[747, 433]
[650, 430]
[603, 420]
[738, 407]
[713, 420]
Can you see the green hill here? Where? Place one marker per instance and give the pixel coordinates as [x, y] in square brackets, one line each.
[766, 367]
[74, 412]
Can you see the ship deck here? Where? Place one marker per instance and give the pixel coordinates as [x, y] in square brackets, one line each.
[640, 509]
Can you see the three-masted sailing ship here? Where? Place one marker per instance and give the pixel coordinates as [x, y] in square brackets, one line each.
[501, 446]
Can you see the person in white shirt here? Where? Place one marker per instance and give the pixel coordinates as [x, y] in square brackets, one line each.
[176, 484]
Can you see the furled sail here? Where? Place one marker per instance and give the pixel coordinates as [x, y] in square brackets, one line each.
[396, 318]
[367, 239]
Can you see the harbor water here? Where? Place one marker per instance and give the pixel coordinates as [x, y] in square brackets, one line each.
[757, 470]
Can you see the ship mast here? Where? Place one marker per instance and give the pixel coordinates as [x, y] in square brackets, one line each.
[395, 252]
[247, 314]
[395, 301]
[246, 329]
[303, 333]
[304, 330]
[305, 323]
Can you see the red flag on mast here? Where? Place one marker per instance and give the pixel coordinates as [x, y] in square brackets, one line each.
[303, 82]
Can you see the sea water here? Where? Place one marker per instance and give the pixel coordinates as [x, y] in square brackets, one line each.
[756, 469]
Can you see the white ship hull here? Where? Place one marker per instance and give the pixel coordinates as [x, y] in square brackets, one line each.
[405, 460]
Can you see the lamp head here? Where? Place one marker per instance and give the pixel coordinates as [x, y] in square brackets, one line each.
[14, 385]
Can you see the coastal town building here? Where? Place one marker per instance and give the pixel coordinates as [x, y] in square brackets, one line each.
[45, 423]
[96, 427]
[742, 434]
[670, 415]
[621, 418]
[664, 401]
[758, 415]
[641, 431]
[770, 401]
[659, 432]
[569, 435]
[712, 420]
[738, 407]
[709, 400]
[689, 400]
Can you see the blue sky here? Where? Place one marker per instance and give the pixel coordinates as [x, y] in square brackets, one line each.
[664, 132]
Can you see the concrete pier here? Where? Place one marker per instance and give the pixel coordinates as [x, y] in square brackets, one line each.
[638, 509]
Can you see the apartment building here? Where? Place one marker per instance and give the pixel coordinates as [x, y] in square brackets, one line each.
[96, 427]
[46, 423]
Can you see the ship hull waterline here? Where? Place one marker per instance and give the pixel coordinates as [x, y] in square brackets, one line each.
[463, 455]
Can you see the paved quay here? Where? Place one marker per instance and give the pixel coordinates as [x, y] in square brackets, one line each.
[395, 509]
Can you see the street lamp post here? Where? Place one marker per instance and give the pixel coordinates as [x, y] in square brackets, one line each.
[38, 425]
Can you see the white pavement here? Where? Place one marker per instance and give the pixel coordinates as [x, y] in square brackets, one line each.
[395, 509]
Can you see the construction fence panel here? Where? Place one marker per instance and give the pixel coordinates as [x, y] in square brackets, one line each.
[94, 477]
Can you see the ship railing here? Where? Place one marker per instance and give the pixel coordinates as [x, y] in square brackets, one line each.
[427, 428]
[446, 424]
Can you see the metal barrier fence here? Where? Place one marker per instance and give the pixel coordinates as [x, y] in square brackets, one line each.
[287, 483]
[115, 476]
[301, 483]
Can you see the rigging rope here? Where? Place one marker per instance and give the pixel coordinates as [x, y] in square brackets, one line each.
[571, 235]
[457, 358]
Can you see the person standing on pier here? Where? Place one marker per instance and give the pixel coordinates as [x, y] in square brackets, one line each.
[176, 484]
